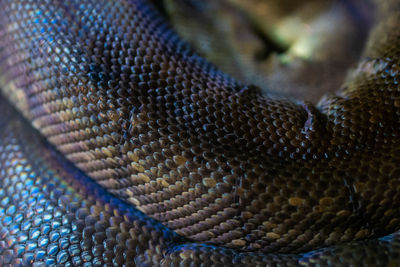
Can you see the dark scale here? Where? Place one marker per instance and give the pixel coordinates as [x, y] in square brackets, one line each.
[179, 163]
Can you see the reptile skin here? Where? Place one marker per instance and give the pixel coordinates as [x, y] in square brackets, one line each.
[180, 164]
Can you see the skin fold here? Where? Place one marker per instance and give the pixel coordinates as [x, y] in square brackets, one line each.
[121, 146]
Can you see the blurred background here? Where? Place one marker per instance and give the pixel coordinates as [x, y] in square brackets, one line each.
[298, 49]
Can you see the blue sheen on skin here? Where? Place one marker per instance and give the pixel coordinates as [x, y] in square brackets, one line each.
[62, 178]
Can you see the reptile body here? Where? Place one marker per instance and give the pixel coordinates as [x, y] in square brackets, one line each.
[180, 163]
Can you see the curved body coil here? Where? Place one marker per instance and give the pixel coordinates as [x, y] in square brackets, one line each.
[218, 173]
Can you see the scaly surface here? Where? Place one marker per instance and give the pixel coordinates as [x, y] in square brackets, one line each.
[239, 177]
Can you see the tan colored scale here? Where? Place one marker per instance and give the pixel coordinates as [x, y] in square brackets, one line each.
[131, 105]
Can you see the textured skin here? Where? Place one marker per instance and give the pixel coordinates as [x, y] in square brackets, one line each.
[232, 177]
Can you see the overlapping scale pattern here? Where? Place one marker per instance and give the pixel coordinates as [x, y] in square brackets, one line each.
[114, 89]
[51, 214]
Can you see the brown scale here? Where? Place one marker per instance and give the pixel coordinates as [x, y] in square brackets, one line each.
[116, 91]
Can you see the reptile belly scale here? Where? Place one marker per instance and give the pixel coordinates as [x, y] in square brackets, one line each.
[121, 146]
